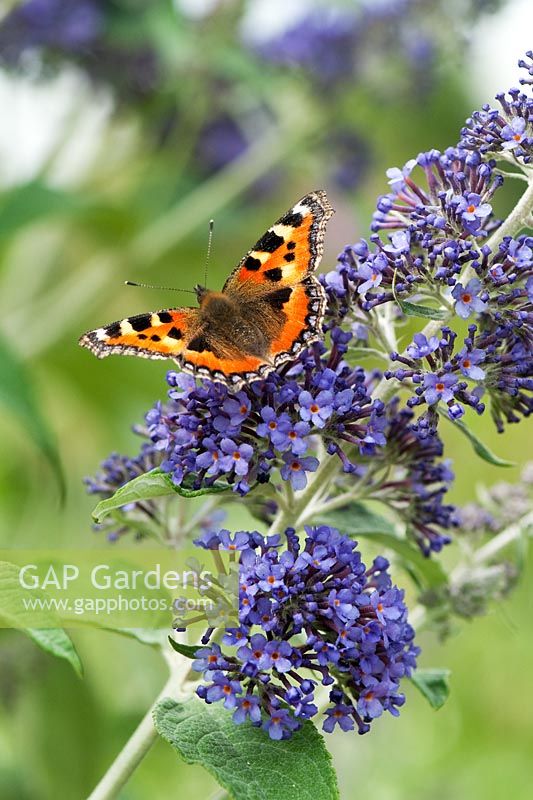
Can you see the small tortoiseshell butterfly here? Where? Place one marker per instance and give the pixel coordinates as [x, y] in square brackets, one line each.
[271, 308]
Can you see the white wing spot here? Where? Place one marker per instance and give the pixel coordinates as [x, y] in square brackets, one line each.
[125, 327]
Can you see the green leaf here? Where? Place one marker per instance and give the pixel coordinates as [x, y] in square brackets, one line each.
[58, 643]
[481, 449]
[357, 520]
[243, 759]
[184, 649]
[155, 483]
[361, 353]
[12, 615]
[153, 637]
[416, 310]
[16, 395]
[434, 684]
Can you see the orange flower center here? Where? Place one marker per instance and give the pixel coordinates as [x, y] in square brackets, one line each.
[466, 298]
[439, 387]
[470, 209]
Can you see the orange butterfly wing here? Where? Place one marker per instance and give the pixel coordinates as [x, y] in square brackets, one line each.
[161, 334]
[286, 253]
[276, 282]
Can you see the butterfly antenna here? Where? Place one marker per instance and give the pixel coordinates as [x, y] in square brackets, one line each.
[209, 243]
[163, 288]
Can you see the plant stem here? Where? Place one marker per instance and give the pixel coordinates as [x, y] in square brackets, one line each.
[143, 737]
[418, 616]
[503, 539]
[291, 516]
[518, 219]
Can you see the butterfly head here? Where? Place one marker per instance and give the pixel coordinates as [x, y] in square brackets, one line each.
[201, 292]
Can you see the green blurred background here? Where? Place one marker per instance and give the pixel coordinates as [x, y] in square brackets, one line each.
[126, 126]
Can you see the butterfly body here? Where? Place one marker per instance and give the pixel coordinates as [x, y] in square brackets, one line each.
[270, 308]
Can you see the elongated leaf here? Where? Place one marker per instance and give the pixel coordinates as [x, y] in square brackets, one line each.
[13, 615]
[416, 310]
[357, 520]
[184, 649]
[153, 637]
[17, 396]
[57, 642]
[243, 759]
[153, 484]
[481, 449]
[361, 353]
[434, 684]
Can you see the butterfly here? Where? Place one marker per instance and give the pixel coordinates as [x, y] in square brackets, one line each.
[271, 308]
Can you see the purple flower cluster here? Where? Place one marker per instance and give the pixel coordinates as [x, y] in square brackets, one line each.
[416, 488]
[435, 248]
[207, 433]
[507, 130]
[116, 471]
[433, 233]
[56, 24]
[220, 141]
[323, 43]
[85, 32]
[308, 615]
[501, 505]
[334, 45]
[498, 359]
[453, 199]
